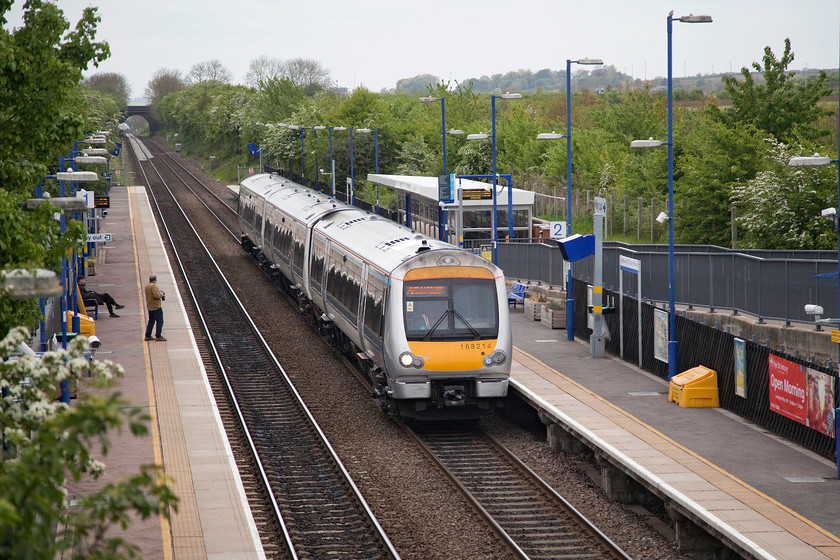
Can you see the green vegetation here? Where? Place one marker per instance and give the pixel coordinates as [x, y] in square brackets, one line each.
[44, 108]
[727, 153]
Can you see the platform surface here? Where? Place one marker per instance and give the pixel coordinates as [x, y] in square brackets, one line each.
[167, 379]
[777, 497]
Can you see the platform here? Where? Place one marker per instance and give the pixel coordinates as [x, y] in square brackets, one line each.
[768, 494]
[168, 380]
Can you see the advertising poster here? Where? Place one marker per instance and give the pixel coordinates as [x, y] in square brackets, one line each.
[660, 335]
[820, 401]
[787, 389]
[740, 368]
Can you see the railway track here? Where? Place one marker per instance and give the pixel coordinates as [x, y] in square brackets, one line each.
[530, 518]
[315, 503]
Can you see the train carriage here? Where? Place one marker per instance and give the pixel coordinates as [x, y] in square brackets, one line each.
[430, 321]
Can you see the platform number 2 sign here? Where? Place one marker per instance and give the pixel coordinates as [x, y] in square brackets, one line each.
[558, 230]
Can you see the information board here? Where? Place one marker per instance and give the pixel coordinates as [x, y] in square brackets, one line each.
[102, 201]
[476, 194]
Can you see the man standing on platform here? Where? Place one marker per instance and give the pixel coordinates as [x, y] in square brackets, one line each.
[154, 297]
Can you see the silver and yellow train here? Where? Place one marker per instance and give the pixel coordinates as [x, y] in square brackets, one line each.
[428, 321]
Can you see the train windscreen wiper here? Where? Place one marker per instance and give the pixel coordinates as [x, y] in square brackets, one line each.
[467, 323]
[431, 331]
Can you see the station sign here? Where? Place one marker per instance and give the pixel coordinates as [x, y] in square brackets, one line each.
[600, 206]
[476, 194]
[558, 230]
[98, 237]
[445, 187]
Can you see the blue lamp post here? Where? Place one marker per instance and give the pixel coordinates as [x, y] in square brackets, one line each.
[332, 161]
[352, 178]
[495, 217]
[651, 143]
[375, 155]
[444, 133]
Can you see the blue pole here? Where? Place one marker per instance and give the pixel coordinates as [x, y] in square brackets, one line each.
[441, 213]
[332, 165]
[493, 183]
[376, 163]
[570, 302]
[352, 177]
[672, 314]
[302, 169]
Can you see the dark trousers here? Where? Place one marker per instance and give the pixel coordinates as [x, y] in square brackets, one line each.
[102, 298]
[155, 317]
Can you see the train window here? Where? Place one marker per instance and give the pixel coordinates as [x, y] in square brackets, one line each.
[300, 240]
[450, 309]
[344, 282]
[319, 256]
[374, 303]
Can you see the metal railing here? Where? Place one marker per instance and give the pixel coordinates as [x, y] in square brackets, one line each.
[767, 284]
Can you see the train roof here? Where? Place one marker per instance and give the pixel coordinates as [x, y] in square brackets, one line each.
[296, 200]
[387, 244]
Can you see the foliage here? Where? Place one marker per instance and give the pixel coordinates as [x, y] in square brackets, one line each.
[417, 84]
[261, 69]
[40, 68]
[781, 106]
[47, 442]
[164, 82]
[112, 84]
[784, 205]
[714, 159]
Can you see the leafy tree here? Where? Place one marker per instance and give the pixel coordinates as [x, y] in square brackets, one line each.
[164, 82]
[781, 205]
[714, 159]
[781, 106]
[110, 83]
[46, 443]
[414, 156]
[417, 84]
[209, 71]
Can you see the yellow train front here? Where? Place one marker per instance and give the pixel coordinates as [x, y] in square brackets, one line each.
[447, 338]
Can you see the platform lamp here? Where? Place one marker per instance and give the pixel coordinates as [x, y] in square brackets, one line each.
[494, 177]
[352, 185]
[332, 161]
[375, 155]
[651, 143]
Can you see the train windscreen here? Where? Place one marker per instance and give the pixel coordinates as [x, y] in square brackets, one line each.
[450, 309]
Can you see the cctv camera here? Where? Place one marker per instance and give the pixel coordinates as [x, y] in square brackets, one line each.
[662, 217]
[828, 212]
[94, 342]
[812, 309]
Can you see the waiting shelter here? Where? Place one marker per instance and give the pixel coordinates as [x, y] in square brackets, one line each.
[470, 212]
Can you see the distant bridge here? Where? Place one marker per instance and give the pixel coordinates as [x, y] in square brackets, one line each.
[144, 111]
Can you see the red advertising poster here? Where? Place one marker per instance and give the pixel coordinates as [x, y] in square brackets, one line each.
[820, 401]
[787, 389]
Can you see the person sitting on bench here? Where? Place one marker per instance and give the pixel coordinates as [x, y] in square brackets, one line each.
[98, 298]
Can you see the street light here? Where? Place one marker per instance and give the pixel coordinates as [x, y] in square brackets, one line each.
[376, 156]
[332, 161]
[483, 136]
[352, 177]
[651, 143]
[821, 161]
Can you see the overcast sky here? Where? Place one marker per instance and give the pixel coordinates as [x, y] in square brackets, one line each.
[377, 42]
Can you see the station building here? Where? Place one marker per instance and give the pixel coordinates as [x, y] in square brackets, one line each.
[470, 213]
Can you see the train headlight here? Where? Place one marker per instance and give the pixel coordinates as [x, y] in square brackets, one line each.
[407, 359]
[496, 358]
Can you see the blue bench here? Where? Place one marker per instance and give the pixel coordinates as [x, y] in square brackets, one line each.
[516, 296]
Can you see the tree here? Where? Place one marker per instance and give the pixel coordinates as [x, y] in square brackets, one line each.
[780, 206]
[209, 70]
[262, 69]
[785, 108]
[111, 83]
[164, 82]
[417, 84]
[308, 74]
[46, 442]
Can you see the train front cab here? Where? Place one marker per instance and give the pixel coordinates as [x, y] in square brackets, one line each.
[456, 355]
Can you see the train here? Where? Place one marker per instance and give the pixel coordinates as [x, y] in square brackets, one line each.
[427, 321]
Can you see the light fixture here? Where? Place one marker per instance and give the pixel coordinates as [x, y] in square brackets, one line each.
[662, 217]
[550, 136]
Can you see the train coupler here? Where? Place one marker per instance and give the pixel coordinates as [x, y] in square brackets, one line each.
[454, 396]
